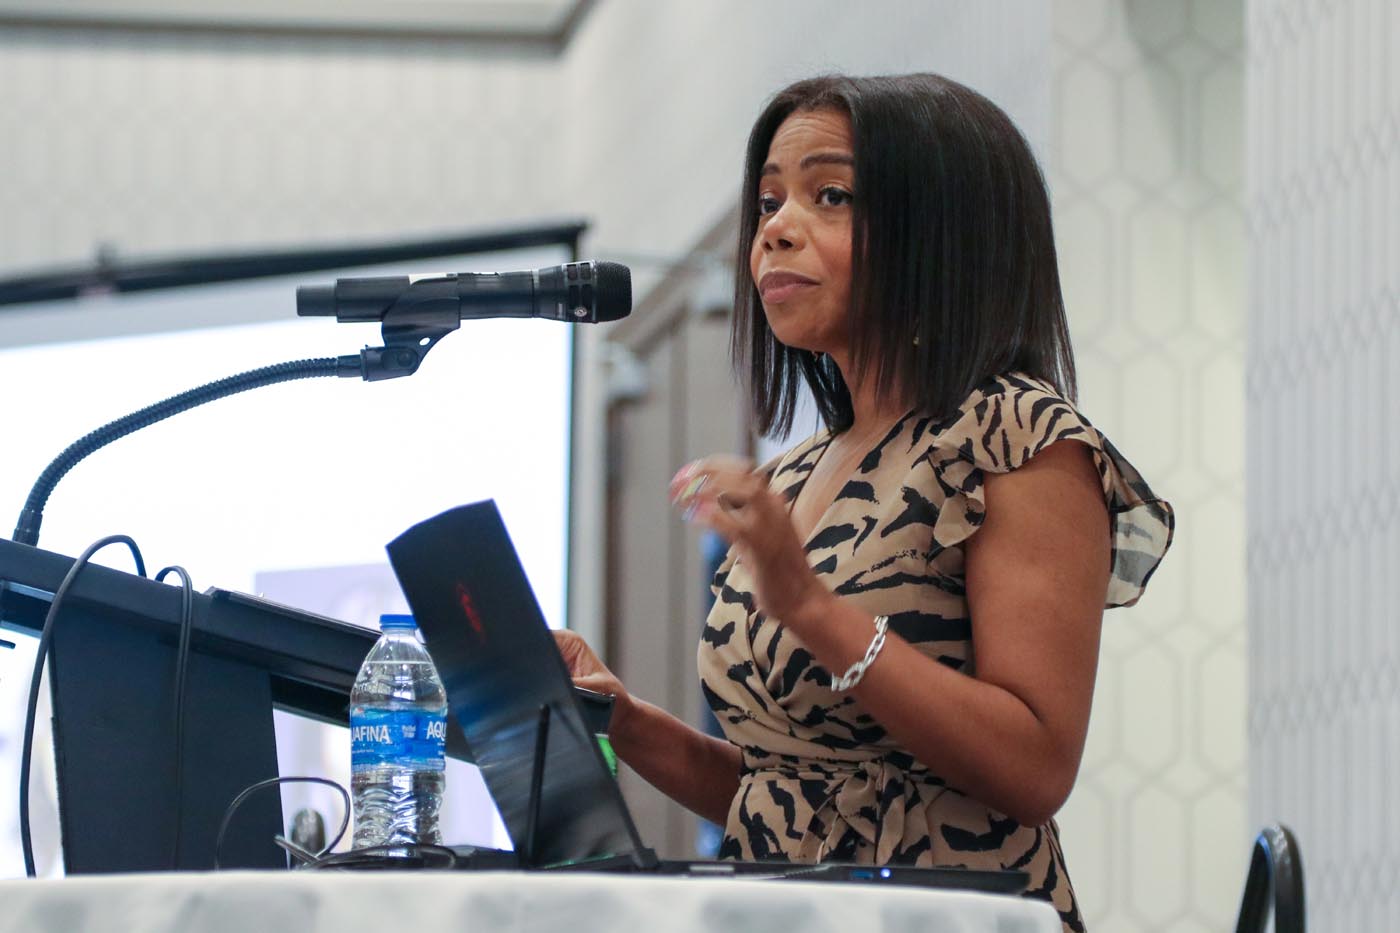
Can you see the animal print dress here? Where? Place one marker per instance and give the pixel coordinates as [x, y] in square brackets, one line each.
[821, 780]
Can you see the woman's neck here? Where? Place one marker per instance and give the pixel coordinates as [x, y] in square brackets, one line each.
[871, 411]
[873, 415]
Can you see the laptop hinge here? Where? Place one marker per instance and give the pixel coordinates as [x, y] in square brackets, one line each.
[532, 813]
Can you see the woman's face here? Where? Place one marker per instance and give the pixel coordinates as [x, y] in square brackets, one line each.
[801, 256]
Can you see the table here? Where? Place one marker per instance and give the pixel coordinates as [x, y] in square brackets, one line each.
[416, 902]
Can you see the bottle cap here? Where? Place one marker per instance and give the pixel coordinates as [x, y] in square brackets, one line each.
[387, 622]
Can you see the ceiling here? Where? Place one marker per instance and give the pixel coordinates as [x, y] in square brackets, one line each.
[541, 20]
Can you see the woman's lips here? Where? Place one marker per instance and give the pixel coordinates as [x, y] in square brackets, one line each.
[777, 287]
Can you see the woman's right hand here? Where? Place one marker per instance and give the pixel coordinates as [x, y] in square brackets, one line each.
[592, 674]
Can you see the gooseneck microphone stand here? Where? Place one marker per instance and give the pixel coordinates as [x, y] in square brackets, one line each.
[27, 529]
[407, 339]
[413, 317]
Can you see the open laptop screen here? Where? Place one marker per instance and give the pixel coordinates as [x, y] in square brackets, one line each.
[499, 666]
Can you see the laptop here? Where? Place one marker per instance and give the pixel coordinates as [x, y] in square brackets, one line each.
[533, 735]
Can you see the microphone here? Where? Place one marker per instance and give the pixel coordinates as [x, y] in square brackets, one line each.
[414, 314]
[576, 292]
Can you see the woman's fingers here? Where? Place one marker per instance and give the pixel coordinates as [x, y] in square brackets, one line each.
[695, 475]
[720, 516]
[725, 494]
[578, 657]
[728, 483]
[598, 683]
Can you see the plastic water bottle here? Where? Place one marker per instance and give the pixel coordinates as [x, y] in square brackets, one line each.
[398, 732]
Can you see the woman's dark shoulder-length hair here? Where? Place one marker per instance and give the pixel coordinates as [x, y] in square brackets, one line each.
[953, 270]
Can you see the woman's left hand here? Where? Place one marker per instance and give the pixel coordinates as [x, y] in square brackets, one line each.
[725, 494]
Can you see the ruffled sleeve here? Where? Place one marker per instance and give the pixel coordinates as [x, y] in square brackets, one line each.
[1004, 424]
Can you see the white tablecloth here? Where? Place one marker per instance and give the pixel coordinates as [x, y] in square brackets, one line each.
[418, 902]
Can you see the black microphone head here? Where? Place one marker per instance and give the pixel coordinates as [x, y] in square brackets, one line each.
[614, 297]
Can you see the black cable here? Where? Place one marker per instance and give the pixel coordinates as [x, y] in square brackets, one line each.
[182, 654]
[27, 528]
[394, 855]
[45, 635]
[273, 782]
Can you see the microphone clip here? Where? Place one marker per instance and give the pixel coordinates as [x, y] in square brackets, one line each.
[411, 326]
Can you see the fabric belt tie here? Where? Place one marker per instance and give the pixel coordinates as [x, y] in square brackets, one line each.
[855, 805]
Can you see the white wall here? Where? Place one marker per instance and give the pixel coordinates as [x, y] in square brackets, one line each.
[170, 142]
[1324, 454]
[662, 94]
[1147, 179]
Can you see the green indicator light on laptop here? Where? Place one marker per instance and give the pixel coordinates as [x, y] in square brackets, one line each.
[609, 755]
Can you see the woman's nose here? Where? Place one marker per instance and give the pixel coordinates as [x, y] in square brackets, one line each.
[782, 230]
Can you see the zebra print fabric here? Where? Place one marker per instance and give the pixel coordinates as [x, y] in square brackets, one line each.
[821, 779]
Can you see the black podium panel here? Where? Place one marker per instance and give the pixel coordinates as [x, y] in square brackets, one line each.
[114, 735]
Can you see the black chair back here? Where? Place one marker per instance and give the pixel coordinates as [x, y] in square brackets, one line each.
[1276, 866]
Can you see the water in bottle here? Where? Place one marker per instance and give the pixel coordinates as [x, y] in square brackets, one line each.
[398, 731]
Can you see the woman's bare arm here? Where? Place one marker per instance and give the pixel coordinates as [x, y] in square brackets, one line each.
[1011, 735]
[698, 771]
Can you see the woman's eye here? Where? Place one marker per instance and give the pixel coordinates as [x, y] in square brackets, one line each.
[832, 196]
[767, 204]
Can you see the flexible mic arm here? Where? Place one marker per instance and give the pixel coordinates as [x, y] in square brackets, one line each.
[409, 330]
[27, 529]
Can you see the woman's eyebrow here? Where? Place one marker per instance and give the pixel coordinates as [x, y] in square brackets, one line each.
[811, 159]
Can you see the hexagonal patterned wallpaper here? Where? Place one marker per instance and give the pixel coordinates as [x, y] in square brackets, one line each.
[1324, 460]
[1146, 170]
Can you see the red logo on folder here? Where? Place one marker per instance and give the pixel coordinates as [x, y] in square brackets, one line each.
[464, 599]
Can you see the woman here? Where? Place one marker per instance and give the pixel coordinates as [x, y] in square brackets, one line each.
[903, 648]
